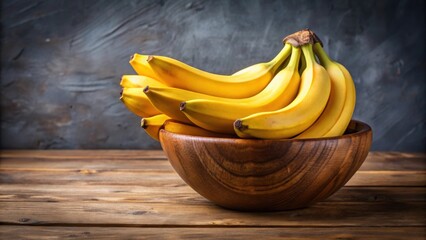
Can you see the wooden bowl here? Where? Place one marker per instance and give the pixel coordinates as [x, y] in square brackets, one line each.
[267, 175]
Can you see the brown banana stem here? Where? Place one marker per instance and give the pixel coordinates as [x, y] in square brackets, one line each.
[302, 37]
[143, 124]
[146, 89]
[182, 106]
[238, 124]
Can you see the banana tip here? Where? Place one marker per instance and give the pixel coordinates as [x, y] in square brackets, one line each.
[143, 124]
[146, 89]
[182, 106]
[238, 124]
[150, 57]
[132, 57]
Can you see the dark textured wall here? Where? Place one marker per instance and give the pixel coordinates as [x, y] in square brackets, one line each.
[61, 61]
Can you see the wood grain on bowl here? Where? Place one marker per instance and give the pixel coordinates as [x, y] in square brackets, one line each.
[267, 175]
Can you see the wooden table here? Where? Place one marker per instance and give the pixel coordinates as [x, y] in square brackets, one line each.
[112, 194]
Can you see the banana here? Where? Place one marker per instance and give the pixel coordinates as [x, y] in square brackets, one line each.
[152, 125]
[219, 115]
[299, 114]
[133, 97]
[335, 103]
[140, 64]
[346, 115]
[168, 100]
[245, 84]
[137, 81]
[252, 68]
[182, 128]
[137, 102]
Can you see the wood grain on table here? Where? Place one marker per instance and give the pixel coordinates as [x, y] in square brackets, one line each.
[131, 194]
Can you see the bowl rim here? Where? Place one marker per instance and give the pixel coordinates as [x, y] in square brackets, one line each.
[365, 128]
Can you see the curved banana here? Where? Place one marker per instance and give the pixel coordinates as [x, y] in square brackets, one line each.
[245, 84]
[137, 102]
[182, 128]
[299, 114]
[346, 115]
[335, 103]
[152, 125]
[168, 100]
[219, 115]
[140, 64]
[137, 81]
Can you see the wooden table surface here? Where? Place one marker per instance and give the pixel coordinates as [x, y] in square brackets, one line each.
[115, 194]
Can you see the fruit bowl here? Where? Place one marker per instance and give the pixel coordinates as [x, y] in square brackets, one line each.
[267, 175]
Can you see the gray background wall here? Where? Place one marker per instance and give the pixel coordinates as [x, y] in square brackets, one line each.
[61, 61]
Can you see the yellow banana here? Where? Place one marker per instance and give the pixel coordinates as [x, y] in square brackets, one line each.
[346, 115]
[335, 103]
[245, 84]
[299, 114]
[137, 81]
[254, 68]
[219, 115]
[182, 128]
[133, 97]
[137, 102]
[140, 64]
[168, 100]
[152, 125]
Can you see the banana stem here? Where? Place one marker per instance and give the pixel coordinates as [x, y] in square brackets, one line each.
[302, 63]
[322, 55]
[315, 37]
[295, 57]
[309, 55]
[300, 38]
[281, 56]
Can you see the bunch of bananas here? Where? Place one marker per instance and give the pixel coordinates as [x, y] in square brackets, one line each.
[291, 96]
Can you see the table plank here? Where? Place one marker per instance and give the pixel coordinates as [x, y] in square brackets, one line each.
[58, 232]
[180, 194]
[122, 160]
[83, 154]
[388, 178]
[205, 214]
[26, 164]
[397, 161]
[147, 177]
